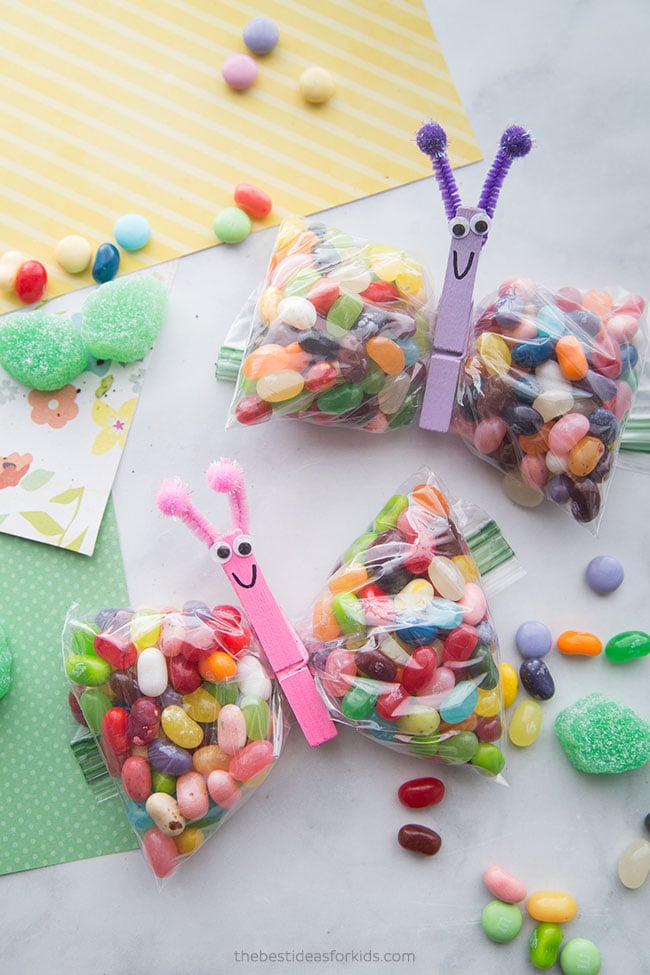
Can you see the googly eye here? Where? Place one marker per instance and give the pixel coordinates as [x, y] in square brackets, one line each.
[480, 224]
[222, 552]
[243, 545]
[459, 227]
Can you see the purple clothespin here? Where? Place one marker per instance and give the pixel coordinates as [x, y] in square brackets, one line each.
[469, 227]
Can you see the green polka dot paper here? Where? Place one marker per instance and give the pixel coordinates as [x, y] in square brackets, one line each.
[54, 816]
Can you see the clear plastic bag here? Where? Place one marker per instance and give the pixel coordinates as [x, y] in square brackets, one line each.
[339, 335]
[400, 638]
[547, 387]
[184, 712]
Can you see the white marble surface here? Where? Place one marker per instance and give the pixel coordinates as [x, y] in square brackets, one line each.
[311, 863]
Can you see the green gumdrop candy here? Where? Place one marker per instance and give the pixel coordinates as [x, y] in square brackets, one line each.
[600, 736]
[5, 663]
[41, 350]
[122, 318]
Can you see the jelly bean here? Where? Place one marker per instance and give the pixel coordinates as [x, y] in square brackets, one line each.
[460, 644]
[231, 225]
[387, 354]
[461, 747]
[257, 717]
[106, 263]
[252, 679]
[223, 789]
[533, 639]
[420, 720]
[201, 706]
[508, 683]
[88, 669]
[393, 703]
[544, 945]
[124, 687]
[136, 778]
[567, 432]
[192, 795]
[459, 703]
[489, 757]
[152, 672]
[210, 758]
[571, 358]
[231, 729]
[190, 840]
[316, 85]
[626, 646]
[488, 702]
[252, 200]
[261, 35]
[348, 612]
[419, 839]
[420, 793]
[143, 721]
[634, 864]
[165, 813]
[94, 704]
[30, 282]
[132, 231]
[163, 782]
[180, 728]
[373, 664]
[340, 669]
[536, 678]
[604, 574]
[446, 578]
[9, 264]
[572, 642]
[419, 669]
[297, 312]
[552, 905]
[114, 730]
[488, 728]
[473, 605]
[580, 957]
[160, 851]
[73, 253]
[254, 758]
[144, 629]
[184, 674]
[525, 724]
[503, 885]
[489, 434]
[584, 456]
[501, 922]
[494, 353]
[239, 71]
[217, 667]
[115, 648]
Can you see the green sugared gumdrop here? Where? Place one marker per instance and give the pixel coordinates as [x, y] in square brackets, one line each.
[41, 350]
[122, 318]
[600, 736]
[5, 663]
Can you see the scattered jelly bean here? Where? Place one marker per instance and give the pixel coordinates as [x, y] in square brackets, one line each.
[544, 945]
[30, 282]
[552, 905]
[160, 851]
[231, 225]
[252, 200]
[525, 723]
[604, 574]
[316, 85]
[533, 639]
[106, 263]
[132, 231]
[261, 35]
[420, 793]
[419, 839]
[580, 957]
[73, 253]
[536, 679]
[573, 642]
[501, 922]
[634, 864]
[503, 885]
[626, 646]
[239, 71]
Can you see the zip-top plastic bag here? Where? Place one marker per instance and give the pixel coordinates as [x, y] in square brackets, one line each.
[185, 712]
[400, 637]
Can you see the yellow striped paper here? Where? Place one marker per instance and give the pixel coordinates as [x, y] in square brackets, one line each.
[110, 107]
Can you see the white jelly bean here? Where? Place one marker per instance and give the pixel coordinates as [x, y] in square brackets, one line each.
[251, 677]
[165, 813]
[152, 672]
[634, 864]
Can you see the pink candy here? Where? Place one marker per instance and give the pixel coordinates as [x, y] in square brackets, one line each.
[503, 885]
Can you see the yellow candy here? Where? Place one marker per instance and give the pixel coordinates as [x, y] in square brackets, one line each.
[467, 566]
[552, 905]
[280, 386]
[267, 306]
[189, 840]
[415, 595]
[525, 724]
[145, 629]
[421, 721]
[446, 578]
[179, 727]
[509, 683]
[289, 230]
[494, 353]
[201, 705]
[489, 703]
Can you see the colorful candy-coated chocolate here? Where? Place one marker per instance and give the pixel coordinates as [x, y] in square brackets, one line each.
[503, 885]
[73, 253]
[626, 646]
[544, 945]
[132, 231]
[419, 839]
[604, 573]
[239, 71]
[501, 922]
[573, 642]
[634, 864]
[261, 35]
[525, 723]
[316, 85]
[554, 906]
[232, 224]
[533, 639]
[420, 793]
[579, 956]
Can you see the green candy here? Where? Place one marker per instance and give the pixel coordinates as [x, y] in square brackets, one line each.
[83, 638]
[484, 668]
[231, 225]
[387, 517]
[348, 612]
[6, 660]
[226, 692]
[628, 646]
[87, 668]
[94, 704]
[257, 717]
[373, 380]
[301, 282]
[358, 702]
[459, 748]
[345, 311]
[580, 957]
[359, 545]
[489, 757]
[407, 410]
[163, 782]
[501, 922]
[544, 944]
[122, 319]
[340, 399]
[41, 350]
[600, 736]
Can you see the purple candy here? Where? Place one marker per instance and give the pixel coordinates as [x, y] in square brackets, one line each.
[536, 679]
[604, 574]
[167, 757]
[533, 639]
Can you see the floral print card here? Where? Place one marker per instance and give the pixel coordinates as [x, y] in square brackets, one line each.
[60, 450]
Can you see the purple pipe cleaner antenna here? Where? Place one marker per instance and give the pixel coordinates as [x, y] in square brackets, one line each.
[469, 227]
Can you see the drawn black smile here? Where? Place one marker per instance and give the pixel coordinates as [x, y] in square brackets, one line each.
[460, 276]
[246, 585]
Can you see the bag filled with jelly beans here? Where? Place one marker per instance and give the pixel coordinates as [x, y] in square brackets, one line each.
[400, 638]
[547, 387]
[185, 712]
[340, 333]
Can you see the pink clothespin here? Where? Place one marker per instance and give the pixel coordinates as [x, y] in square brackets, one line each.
[469, 227]
[284, 650]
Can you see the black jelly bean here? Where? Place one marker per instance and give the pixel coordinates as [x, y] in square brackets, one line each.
[604, 425]
[523, 420]
[375, 664]
[319, 344]
[536, 679]
[585, 500]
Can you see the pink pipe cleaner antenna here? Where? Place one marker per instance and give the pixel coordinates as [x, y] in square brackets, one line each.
[284, 650]
[469, 227]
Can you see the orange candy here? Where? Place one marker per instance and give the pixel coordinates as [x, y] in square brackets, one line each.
[431, 499]
[324, 622]
[584, 456]
[387, 354]
[536, 443]
[349, 578]
[598, 301]
[264, 361]
[575, 643]
[217, 667]
[571, 358]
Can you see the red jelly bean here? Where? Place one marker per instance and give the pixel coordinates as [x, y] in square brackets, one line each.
[160, 850]
[253, 201]
[323, 295]
[31, 280]
[227, 625]
[460, 644]
[419, 839]
[389, 705]
[119, 652]
[419, 669]
[184, 674]
[253, 409]
[381, 291]
[418, 793]
[114, 730]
